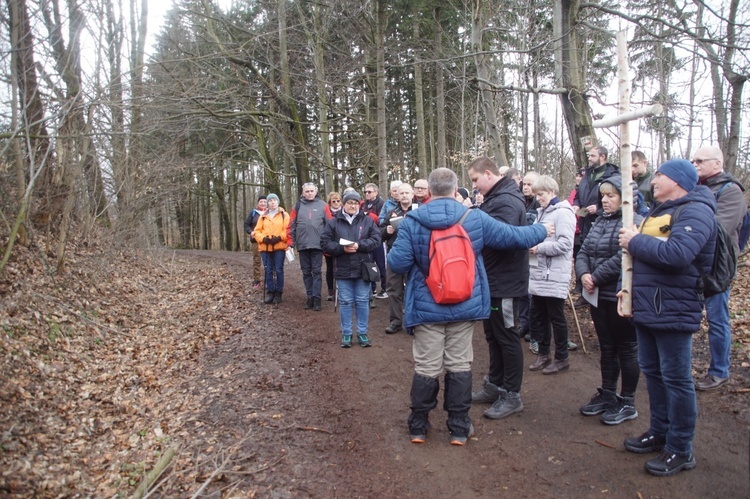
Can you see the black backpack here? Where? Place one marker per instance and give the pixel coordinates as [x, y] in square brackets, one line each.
[724, 266]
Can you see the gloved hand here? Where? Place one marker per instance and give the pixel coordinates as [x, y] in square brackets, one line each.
[268, 240]
[275, 239]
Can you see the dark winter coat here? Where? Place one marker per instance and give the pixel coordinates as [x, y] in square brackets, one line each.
[601, 256]
[363, 231]
[507, 270]
[409, 255]
[251, 221]
[398, 211]
[307, 221]
[665, 279]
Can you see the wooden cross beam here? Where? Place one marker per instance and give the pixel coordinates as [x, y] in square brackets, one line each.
[623, 119]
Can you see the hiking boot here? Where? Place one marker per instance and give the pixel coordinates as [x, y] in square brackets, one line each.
[710, 382]
[372, 302]
[364, 341]
[599, 403]
[277, 298]
[645, 443]
[382, 295]
[540, 363]
[393, 328]
[505, 406]
[456, 440]
[346, 341]
[534, 346]
[269, 297]
[330, 295]
[257, 285]
[556, 366]
[668, 464]
[620, 412]
[309, 303]
[419, 436]
[572, 346]
[316, 304]
[489, 393]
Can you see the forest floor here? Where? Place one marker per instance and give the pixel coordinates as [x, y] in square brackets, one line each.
[128, 356]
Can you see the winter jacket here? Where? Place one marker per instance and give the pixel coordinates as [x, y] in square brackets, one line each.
[388, 206]
[307, 221]
[601, 256]
[645, 188]
[409, 255]
[507, 270]
[251, 221]
[372, 208]
[588, 193]
[665, 279]
[398, 211]
[730, 204]
[275, 225]
[363, 231]
[550, 276]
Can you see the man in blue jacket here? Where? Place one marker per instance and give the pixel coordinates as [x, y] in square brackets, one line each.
[442, 333]
[668, 250]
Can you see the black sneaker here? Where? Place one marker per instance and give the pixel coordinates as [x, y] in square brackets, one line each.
[599, 403]
[620, 412]
[645, 443]
[668, 464]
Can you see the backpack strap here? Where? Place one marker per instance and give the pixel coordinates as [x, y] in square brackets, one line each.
[463, 217]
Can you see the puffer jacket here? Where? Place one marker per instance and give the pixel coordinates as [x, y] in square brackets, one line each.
[665, 279]
[601, 256]
[274, 225]
[587, 194]
[362, 230]
[409, 255]
[307, 221]
[507, 271]
[554, 258]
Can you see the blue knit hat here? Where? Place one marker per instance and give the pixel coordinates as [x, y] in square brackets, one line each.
[272, 196]
[681, 171]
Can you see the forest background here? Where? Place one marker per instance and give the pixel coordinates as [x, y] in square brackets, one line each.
[169, 144]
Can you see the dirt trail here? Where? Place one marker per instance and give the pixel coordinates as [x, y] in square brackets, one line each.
[330, 422]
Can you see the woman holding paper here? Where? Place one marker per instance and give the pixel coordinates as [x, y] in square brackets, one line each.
[599, 262]
[270, 234]
[350, 237]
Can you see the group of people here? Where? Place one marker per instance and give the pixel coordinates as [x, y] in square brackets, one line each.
[527, 241]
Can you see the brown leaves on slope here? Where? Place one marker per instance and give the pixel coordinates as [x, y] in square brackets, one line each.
[95, 363]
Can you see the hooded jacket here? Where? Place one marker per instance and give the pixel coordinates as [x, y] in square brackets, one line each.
[409, 255]
[600, 254]
[730, 204]
[550, 275]
[507, 270]
[362, 230]
[665, 279]
[272, 225]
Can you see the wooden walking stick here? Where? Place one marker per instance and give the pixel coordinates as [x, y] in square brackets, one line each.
[575, 316]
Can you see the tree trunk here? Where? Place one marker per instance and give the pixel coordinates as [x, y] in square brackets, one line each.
[380, 23]
[439, 92]
[419, 97]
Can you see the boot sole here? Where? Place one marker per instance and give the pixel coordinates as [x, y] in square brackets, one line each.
[684, 467]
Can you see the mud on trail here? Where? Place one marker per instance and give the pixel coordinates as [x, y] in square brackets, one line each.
[331, 422]
[174, 350]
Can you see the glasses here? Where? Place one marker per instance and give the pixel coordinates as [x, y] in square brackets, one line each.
[698, 161]
[352, 202]
[369, 192]
[335, 200]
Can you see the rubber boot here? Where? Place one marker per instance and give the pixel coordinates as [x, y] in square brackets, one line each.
[424, 392]
[277, 298]
[269, 297]
[457, 402]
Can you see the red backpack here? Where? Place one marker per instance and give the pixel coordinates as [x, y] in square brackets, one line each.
[450, 277]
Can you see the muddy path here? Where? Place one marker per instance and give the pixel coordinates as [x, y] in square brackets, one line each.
[331, 422]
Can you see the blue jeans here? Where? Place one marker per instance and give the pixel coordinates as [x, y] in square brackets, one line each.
[719, 333]
[311, 261]
[666, 361]
[354, 294]
[273, 261]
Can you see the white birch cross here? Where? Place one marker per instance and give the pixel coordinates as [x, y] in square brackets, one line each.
[623, 119]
